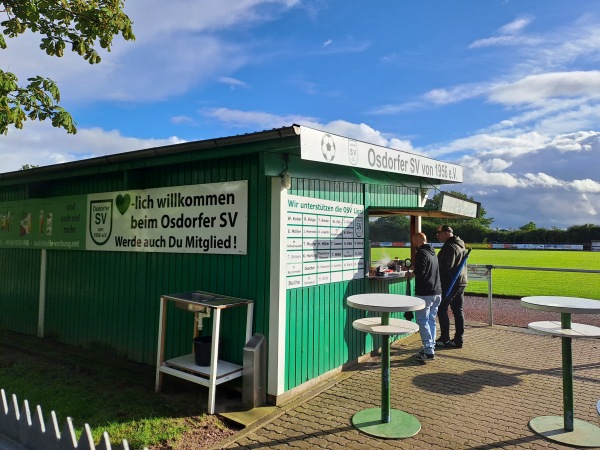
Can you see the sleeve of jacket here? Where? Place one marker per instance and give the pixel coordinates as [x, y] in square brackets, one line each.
[419, 267]
[446, 260]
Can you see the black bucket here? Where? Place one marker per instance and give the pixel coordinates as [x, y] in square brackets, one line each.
[202, 348]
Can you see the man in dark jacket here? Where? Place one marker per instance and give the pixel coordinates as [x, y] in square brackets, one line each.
[428, 288]
[450, 256]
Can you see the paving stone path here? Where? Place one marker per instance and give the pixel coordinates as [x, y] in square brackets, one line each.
[479, 397]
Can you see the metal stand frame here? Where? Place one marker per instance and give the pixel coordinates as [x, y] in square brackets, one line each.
[184, 366]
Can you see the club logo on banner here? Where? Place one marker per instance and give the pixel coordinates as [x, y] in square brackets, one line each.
[101, 221]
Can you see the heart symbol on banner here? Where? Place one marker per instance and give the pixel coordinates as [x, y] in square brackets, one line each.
[123, 202]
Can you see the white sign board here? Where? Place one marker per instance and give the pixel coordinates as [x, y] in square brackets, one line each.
[202, 218]
[329, 148]
[324, 243]
[458, 206]
[477, 273]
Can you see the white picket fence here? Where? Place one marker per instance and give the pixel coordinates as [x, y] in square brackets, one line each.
[22, 430]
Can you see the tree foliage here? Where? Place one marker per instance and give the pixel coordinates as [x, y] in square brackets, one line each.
[390, 228]
[83, 25]
[531, 226]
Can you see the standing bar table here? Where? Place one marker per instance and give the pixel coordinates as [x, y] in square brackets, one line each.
[385, 422]
[566, 430]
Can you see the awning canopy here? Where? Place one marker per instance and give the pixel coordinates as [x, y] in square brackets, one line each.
[449, 206]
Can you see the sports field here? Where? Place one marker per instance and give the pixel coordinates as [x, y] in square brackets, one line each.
[521, 283]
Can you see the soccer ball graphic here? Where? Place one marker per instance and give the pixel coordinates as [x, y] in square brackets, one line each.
[328, 147]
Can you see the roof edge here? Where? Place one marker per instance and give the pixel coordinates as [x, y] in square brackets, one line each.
[276, 133]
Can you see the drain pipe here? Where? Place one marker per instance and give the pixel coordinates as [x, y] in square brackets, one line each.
[200, 315]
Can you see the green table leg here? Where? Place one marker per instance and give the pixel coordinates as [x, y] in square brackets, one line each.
[573, 432]
[385, 371]
[386, 422]
[567, 371]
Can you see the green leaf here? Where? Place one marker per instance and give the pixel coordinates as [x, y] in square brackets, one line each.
[84, 24]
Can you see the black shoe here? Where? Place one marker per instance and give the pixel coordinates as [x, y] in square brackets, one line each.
[453, 344]
[424, 357]
[441, 344]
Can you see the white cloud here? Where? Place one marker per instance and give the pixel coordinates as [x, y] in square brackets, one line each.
[548, 179]
[152, 21]
[365, 133]
[494, 145]
[586, 185]
[182, 120]
[536, 89]
[505, 41]
[233, 82]
[541, 179]
[175, 49]
[509, 35]
[455, 94]
[496, 164]
[346, 47]
[44, 145]
[516, 25]
[384, 110]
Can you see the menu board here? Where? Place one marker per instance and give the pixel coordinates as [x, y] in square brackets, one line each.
[324, 242]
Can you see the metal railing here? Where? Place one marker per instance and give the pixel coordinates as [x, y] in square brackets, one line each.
[484, 272]
[22, 430]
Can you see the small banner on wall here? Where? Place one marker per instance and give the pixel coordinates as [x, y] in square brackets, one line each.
[54, 223]
[204, 218]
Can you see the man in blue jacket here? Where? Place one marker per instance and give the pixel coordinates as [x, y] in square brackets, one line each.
[450, 257]
[428, 288]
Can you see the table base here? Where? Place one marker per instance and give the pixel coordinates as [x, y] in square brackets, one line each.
[552, 427]
[401, 425]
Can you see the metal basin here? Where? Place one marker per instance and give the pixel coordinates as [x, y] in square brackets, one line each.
[191, 307]
[198, 297]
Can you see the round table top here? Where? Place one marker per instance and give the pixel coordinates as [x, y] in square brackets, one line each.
[562, 304]
[386, 302]
[577, 330]
[396, 326]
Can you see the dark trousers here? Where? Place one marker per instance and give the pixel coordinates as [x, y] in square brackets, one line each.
[455, 301]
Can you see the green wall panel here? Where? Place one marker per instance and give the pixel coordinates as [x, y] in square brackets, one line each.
[19, 289]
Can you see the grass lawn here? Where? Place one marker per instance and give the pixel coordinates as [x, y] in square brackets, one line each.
[521, 283]
[108, 393]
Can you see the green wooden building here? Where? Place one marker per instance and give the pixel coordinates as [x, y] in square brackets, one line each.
[280, 217]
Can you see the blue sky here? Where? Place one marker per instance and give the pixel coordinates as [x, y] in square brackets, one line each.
[508, 89]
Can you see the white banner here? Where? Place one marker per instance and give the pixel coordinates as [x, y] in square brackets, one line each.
[329, 148]
[202, 218]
